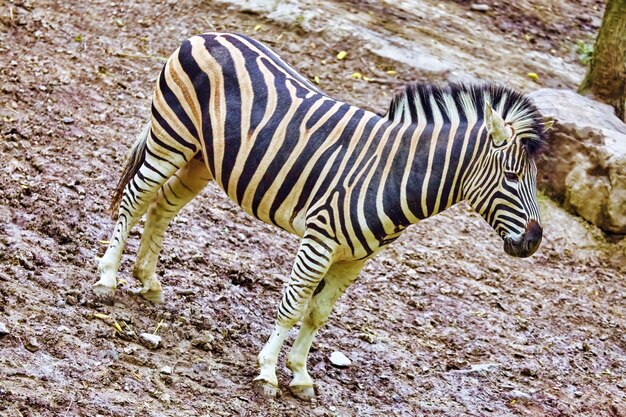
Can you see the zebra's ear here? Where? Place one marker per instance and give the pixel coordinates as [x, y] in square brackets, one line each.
[496, 126]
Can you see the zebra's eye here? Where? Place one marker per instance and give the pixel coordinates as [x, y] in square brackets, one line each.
[511, 177]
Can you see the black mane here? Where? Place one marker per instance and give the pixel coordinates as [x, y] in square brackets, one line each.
[469, 101]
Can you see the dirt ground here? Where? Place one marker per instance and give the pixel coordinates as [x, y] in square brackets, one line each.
[442, 323]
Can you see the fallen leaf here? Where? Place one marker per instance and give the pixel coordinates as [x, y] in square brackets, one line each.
[341, 55]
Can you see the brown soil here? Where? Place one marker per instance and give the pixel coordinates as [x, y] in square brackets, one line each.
[442, 323]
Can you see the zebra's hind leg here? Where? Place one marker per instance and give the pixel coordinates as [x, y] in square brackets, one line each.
[313, 260]
[334, 284]
[171, 198]
[148, 168]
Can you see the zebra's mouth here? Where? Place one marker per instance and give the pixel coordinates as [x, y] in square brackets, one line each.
[527, 244]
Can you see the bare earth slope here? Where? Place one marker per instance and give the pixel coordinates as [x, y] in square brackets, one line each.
[442, 323]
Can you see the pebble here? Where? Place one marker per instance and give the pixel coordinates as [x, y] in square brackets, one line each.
[3, 330]
[339, 360]
[167, 370]
[484, 367]
[294, 48]
[63, 329]
[129, 350]
[32, 345]
[68, 120]
[152, 340]
[478, 7]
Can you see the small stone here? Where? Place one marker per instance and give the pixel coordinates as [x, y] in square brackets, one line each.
[31, 345]
[71, 300]
[63, 329]
[151, 340]
[339, 360]
[129, 350]
[478, 7]
[167, 370]
[484, 367]
[205, 342]
[294, 48]
[68, 120]
[505, 26]
[3, 330]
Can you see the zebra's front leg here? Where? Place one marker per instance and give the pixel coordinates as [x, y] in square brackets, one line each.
[313, 260]
[339, 277]
[171, 198]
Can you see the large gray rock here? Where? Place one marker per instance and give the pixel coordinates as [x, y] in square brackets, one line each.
[585, 164]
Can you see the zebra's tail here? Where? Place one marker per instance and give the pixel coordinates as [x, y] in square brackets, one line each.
[134, 159]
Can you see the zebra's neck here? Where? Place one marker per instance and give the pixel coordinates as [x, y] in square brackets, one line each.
[423, 166]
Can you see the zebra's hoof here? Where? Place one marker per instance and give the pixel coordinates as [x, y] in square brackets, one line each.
[155, 297]
[104, 294]
[266, 389]
[303, 392]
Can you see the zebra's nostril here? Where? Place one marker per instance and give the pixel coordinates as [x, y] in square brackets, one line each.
[527, 244]
[534, 232]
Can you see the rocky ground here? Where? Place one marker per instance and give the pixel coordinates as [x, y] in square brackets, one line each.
[442, 323]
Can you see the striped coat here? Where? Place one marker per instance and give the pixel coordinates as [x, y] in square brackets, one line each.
[346, 180]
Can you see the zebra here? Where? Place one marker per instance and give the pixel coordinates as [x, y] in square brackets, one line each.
[345, 180]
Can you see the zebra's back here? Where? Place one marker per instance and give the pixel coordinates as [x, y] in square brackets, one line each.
[270, 138]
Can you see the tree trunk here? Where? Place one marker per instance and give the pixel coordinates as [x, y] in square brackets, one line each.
[606, 77]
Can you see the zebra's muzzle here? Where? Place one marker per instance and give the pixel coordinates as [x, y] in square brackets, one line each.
[527, 244]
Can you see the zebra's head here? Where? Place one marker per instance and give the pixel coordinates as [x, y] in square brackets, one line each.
[503, 187]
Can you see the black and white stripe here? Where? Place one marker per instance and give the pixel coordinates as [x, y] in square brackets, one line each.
[346, 180]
